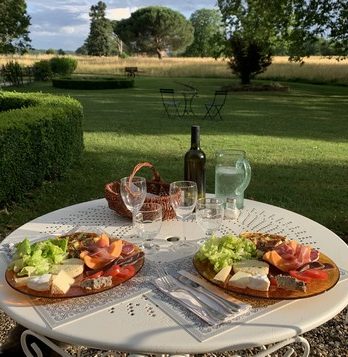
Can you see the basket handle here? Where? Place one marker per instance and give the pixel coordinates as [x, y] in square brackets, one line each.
[155, 177]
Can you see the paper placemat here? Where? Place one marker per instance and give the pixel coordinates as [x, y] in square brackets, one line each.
[198, 328]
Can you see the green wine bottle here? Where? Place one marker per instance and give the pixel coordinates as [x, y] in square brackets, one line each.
[194, 162]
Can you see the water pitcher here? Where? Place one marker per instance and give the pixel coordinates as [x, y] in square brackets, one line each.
[232, 175]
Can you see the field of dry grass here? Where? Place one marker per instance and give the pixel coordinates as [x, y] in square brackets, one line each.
[316, 69]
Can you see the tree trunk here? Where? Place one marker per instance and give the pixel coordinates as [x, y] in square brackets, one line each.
[159, 53]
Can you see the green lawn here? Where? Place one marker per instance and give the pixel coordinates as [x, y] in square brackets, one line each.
[296, 143]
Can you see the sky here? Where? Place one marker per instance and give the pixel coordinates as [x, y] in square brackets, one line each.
[65, 24]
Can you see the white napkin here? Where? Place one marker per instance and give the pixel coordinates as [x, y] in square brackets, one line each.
[206, 310]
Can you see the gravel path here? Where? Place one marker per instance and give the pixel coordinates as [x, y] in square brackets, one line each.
[328, 340]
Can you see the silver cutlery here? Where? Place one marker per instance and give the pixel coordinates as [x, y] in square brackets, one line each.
[172, 285]
[228, 307]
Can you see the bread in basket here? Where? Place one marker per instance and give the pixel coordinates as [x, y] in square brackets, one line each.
[158, 192]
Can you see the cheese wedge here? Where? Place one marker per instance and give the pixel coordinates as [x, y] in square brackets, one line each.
[251, 266]
[259, 282]
[61, 283]
[240, 280]
[40, 282]
[222, 275]
[73, 267]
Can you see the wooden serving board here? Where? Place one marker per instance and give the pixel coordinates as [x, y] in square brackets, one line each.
[315, 287]
[75, 290]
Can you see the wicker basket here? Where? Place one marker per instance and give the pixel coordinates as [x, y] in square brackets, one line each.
[158, 188]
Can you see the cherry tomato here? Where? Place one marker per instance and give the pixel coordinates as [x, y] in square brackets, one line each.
[316, 274]
[272, 280]
[126, 272]
[298, 275]
[114, 270]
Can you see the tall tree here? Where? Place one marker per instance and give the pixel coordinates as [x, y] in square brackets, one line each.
[208, 33]
[14, 24]
[296, 24]
[155, 29]
[100, 41]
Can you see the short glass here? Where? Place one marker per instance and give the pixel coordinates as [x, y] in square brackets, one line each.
[147, 224]
[209, 215]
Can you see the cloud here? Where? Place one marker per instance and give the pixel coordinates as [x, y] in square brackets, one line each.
[65, 24]
[120, 13]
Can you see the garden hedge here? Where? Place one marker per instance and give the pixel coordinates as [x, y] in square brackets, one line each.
[39, 140]
[92, 83]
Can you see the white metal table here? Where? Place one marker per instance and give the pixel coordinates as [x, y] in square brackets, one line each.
[148, 329]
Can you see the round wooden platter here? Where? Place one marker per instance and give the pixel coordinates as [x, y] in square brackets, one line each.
[76, 290]
[315, 287]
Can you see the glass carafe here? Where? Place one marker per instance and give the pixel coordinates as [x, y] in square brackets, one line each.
[232, 175]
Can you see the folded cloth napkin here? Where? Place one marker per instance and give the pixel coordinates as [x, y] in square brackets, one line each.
[200, 305]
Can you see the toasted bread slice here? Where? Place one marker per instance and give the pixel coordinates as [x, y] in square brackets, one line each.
[264, 241]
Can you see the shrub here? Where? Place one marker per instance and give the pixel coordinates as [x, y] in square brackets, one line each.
[12, 72]
[42, 70]
[63, 66]
[37, 142]
[92, 83]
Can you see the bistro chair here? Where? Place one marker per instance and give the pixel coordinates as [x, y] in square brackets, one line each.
[214, 108]
[170, 103]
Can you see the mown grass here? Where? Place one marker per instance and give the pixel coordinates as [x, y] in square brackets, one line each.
[316, 69]
[296, 143]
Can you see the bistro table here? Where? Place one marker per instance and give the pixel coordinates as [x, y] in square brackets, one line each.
[139, 323]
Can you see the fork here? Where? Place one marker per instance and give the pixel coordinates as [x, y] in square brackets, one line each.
[172, 286]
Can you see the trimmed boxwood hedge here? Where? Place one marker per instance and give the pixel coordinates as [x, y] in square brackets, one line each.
[39, 141]
[92, 83]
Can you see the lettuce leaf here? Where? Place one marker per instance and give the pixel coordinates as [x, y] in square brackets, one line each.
[38, 258]
[226, 250]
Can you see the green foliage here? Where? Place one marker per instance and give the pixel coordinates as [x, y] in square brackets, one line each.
[208, 34]
[63, 65]
[14, 24]
[249, 58]
[290, 26]
[92, 83]
[12, 73]
[38, 141]
[155, 29]
[51, 51]
[100, 41]
[42, 70]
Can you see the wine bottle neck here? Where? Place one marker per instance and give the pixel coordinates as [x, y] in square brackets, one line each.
[195, 137]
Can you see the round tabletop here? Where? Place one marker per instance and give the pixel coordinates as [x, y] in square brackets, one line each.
[138, 324]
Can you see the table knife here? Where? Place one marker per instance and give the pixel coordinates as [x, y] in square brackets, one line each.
[215, 290]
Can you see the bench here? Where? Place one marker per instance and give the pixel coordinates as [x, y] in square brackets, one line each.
[131, 71]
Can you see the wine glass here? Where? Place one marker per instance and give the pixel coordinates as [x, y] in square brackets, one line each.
[183, 198]
[133, 193]
[209, 215]
[148, 222]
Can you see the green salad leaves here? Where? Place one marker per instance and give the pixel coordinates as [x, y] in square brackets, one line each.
[38, 258]
[226, 250]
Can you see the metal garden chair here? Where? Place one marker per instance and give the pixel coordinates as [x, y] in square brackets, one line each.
[170, 103]
[214, 108]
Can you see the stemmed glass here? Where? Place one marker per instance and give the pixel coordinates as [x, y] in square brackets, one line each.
[209, 214]
[148, 222]
[133, 193]
[183, 198]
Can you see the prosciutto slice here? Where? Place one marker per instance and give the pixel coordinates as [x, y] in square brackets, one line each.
[291, 255]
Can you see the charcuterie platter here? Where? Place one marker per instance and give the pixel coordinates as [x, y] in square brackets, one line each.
[266, 266]
[78, 264]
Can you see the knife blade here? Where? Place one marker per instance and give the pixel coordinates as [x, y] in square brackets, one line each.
[226, 306]
[215, 290]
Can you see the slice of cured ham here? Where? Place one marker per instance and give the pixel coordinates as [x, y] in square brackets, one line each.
[291, 256]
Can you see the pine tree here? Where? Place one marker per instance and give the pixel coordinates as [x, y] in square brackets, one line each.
[100, 39]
